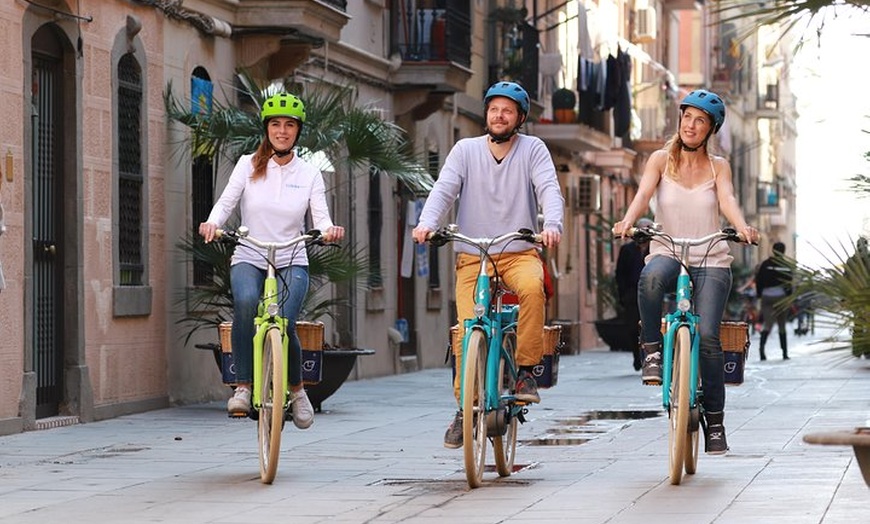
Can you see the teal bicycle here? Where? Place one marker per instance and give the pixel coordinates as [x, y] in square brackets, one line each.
[489, 371]
[270, 395]
[681, 382]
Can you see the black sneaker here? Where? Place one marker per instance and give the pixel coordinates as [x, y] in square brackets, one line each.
[652, 368]
[714, 440]
[453, 435]
[714, 434]
[527, 388]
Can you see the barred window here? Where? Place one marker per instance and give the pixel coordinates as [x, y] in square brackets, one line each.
[130, 179]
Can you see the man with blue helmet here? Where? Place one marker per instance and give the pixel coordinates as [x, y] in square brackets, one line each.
[502, 179]
[692, 188]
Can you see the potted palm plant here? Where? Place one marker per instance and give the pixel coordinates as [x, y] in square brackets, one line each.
[348, 135]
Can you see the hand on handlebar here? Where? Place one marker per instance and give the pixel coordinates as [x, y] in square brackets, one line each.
[421, 234]
[207, 230]
[333, 234]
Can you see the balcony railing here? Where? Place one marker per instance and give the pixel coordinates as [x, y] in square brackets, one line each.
[432, 35]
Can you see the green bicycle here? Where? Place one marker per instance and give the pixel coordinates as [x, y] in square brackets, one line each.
[270, 390]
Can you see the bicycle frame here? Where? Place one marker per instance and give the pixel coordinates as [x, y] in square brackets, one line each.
[268, 317]
[674, 321]
[683, 315]
[269, 310]
[493, 322]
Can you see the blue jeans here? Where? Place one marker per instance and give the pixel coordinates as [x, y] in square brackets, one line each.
[709, 297]
[247, 284]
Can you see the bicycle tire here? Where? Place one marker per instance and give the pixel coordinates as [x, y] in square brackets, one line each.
[271, 411]
[679, 404]
[691, 459]
[474, 408]
[504, 446]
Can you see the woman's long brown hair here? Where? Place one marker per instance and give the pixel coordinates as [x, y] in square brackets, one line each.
[261, 159]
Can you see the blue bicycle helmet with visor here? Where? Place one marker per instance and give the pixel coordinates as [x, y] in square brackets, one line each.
[708, 102]
[515, 92]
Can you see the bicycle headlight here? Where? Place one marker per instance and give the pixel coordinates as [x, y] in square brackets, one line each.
[272, 309]
[684, 305]
[479, 310]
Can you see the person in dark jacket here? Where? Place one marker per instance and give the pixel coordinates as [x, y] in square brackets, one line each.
[773, 283]
[629, 264]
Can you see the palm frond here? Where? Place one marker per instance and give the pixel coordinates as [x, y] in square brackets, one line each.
[838, 293]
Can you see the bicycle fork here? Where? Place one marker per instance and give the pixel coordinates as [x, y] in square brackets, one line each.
[674, 321]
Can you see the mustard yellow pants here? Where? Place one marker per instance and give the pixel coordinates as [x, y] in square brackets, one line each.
[522, 273]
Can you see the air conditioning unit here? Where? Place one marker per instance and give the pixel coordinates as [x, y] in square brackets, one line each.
[586, 194]
[644, 25]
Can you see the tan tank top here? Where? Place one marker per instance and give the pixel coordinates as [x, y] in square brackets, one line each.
[690, 213]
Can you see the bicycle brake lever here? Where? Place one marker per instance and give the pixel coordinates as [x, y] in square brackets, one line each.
[438, 238]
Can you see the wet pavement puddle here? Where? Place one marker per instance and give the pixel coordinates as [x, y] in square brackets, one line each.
[573, 431]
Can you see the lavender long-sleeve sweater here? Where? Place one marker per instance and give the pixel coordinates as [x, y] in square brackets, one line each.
[496, 198]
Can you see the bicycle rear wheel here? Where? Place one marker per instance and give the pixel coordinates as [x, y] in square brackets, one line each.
[504, 446]
[474, 408]
[678, 411]
[271, 411]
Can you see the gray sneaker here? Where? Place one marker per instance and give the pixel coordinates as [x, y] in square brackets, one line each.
[240, 403]
[303, 411]
[453, 436]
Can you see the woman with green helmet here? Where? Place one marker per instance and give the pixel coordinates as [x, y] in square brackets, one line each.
[274, 190]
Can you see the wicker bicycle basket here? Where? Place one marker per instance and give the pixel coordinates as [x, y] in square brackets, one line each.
[734, 336]
[310, 335]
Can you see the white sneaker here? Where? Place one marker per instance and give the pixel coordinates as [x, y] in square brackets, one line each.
[303, 411]
[240, 402]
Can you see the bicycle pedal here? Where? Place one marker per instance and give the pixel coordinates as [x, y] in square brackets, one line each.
[238, 414]
[652, 382]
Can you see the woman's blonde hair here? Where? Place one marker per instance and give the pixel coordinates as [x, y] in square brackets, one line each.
[674, 147]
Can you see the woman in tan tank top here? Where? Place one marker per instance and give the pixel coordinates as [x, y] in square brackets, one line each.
[693, 188]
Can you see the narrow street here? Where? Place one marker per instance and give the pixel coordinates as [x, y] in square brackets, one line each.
[595, 451]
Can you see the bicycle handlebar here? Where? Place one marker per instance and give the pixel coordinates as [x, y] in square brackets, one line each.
[648, 233]
[243, 233]
[451, 233]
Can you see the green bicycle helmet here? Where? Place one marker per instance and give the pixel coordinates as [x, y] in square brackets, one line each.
[283, 104]
[708, 102]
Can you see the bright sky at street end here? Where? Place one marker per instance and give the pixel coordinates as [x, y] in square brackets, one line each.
[831, 82]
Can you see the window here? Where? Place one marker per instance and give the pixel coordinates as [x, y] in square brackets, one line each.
[202, 171]
[130, 179]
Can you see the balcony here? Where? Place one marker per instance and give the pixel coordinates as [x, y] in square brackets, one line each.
[571, 137]
[306, 19]
[434, 46]
[675, 5]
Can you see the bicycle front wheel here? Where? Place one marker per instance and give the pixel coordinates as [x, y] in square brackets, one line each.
[474, 408]
[504, 446]
[271, 411]
[678, 411]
